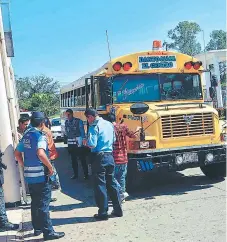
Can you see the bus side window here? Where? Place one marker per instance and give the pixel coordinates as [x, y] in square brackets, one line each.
[83, 96]
[104, 91]
[89, 95]
[68, 101]
[79, 97]
[72, 100]
[74, 97]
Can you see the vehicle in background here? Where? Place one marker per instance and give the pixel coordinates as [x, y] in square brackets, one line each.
[157, 94]
[56, 129]
[26, 114]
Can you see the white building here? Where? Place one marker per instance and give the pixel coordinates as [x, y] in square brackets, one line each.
[8, 123]
[211, 60]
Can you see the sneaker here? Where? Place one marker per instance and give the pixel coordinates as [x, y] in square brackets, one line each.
[9, 226]
[54, 236]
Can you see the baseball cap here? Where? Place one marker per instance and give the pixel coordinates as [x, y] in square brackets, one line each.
[38, 115]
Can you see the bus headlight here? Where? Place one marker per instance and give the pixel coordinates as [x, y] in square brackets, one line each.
[209, 157]
[179, 160]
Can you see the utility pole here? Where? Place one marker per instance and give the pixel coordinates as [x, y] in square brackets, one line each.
[11, 185]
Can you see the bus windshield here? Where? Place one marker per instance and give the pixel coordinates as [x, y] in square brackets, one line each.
[156, 87]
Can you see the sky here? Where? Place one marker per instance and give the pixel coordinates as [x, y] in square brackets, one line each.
[67, 39]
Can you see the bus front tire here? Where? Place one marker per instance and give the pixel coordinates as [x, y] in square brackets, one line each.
[214, 171]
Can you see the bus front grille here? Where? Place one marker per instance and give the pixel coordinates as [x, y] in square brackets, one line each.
[174, 126]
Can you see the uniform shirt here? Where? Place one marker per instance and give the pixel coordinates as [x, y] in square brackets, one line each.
[74, 136]
[42, 143]
[53, 154]
[101, 136]
[120, 145]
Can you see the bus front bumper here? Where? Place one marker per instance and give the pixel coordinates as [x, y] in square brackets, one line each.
[180, 158]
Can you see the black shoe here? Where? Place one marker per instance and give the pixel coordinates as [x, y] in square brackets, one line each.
[101, 217]
[37, 232]
[53, 236]
[9, 226]
[117, 214]
[74, 177]
[53, 200]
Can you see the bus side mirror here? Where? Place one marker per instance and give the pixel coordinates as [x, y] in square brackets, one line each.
[211, 91]
[139, 108]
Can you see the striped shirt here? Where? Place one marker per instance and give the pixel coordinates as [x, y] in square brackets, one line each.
[120, 146]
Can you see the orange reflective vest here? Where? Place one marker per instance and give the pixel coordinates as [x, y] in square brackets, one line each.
[53, 154]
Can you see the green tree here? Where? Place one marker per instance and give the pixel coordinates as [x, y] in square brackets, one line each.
[217, 40]
[38, 93]
[184, 38]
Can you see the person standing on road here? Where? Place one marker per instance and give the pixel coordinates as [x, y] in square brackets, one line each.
[53, 154]
[5, 225]
[100, 139]
[23, 124]
[120, 153]
[37, 172]
[47, 122]
[75, 133]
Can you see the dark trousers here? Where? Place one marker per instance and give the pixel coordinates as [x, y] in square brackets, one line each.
[77, 153]
[3, 216]
[41, 196]
[104, 181]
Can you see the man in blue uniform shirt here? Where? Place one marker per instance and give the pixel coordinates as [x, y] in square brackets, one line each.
[100, 139]
[38, 171]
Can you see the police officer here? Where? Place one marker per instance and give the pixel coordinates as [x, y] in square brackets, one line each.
[100, 139]
[5, 225]
[37, 172]
[75, 133]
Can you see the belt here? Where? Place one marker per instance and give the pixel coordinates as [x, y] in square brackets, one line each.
[102, 153]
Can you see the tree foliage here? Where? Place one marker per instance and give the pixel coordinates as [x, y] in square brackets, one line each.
[184, 38]
[38, 93]
[217, 40]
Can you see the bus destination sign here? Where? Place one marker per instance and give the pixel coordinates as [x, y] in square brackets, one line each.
[157, 62]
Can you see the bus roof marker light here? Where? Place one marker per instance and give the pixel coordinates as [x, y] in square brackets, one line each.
[188, 65]
[117, 66]
[157, 45]
[127, 66]
[197, 65]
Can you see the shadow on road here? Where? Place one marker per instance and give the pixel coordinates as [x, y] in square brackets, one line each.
[154, 184]
[171, 183]
[79, 189]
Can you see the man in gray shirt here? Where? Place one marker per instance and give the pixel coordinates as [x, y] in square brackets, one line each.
[75, 133]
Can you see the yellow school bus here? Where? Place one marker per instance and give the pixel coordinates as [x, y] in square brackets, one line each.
[159, 95]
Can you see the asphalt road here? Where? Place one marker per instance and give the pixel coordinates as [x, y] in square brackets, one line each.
[171, 207]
